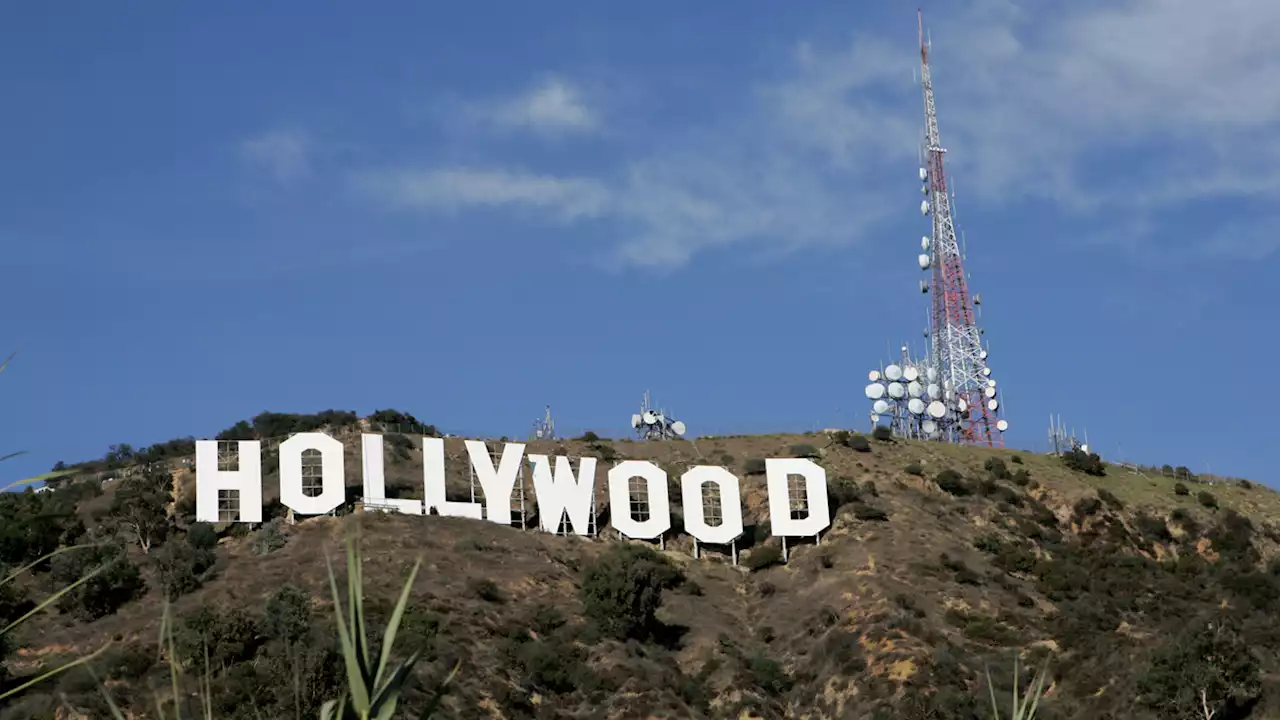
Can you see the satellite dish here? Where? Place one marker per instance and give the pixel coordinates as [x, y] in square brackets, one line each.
[910, 374]
[962, 405]
[916, 406]
[989, 392]
[982, 355]
[986, 371]
[915, 389]
[1084, 448]
[991, 383]
[924, 174]
[924, 207]
[648, 418]
[893, 372]
[880, 406]
[677, 427]
[924, 290]
[932, 374]
[875, 418]
[937, 410]
[934, 391]
[896, 391]
[635, 420]
[929, 427]
[924, 243]
[1002, 425]
[875, 391]
[874, 375]
[923, 261]
[993, 405]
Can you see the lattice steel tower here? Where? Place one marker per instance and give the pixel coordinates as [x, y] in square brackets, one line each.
[955, 340]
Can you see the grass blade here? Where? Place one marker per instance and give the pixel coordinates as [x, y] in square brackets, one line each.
[355, 680]
[56, 671]
[393, 625]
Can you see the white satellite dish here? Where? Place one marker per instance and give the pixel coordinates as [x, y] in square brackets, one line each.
[875, 391]
[874, 375]
[989, 391]
[635, 420]
[915, 389]
[648, 418]
[932, 374]
[677, 427]
[924, 243]
[880, 406]
[934, 391]
[910, 374]
[986, 372]
[893, 372]
[962, 405]
[875, 418]
[983, 355]
[937, 410]
[923, 260]
[991, 383]
[1002, 425]
[993, 405]
[896, 391]
[924, 174]
[929, 427]
[924, 207]
[1084, 448]
[916, 406]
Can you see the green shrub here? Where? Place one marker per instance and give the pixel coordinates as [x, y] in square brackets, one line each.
[1016, 459]
[1021, 478]
[622, 591]
[805, 450]
[914, 469]
[997, 468]
[763, 557]
[1087, 463]
[1109, 498]
[882, 433]
[859, 443]
[1180, 489]
[950, 481]
[862, 511]
[1207, 499]
[753, 466]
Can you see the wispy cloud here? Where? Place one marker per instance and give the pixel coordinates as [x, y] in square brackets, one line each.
[1096, 108]
[285, 155]
[554, 106]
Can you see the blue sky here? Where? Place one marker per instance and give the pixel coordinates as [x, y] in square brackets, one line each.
[470, 212]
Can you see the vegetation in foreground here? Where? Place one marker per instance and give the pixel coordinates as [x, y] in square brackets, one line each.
[942, 568]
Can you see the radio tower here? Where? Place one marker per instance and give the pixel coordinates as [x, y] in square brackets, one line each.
[954, 338]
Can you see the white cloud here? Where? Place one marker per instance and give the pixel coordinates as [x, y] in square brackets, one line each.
[1128, 107]
[283, 154]
[555, 105]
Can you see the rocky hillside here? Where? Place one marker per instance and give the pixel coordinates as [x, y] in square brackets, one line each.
[1144, 595]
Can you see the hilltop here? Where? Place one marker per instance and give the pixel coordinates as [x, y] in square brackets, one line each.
[1138, 590]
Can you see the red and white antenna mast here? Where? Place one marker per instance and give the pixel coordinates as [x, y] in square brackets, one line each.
[954, 337]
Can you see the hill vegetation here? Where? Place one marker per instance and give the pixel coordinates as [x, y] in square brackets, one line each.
[1145, 594]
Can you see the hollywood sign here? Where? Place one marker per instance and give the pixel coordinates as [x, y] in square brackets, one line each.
[559, 493]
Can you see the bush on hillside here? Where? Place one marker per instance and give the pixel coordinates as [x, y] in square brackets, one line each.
[753, 466]
[1021, 478]
[882, 433]
[1180, 489]
[622, 591]
[1087, 463]
[763, 557]
[914, 469]
[805, 450]
[997, 468]
[1207, 499]
[952, 482]
[119, 582]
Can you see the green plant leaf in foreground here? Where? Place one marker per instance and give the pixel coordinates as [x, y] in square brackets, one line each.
[372, 692]
[1026, 709]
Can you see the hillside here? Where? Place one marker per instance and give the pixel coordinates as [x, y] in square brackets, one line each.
[1137, 590]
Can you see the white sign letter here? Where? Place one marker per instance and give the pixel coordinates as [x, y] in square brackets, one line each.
[620, 500]
[497, 483]
[247, 480]
[332, 474]
[375, 486]
[564, 493]
[433, 486]
[695, 517]
[777, 473]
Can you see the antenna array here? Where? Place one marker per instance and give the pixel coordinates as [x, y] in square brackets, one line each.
[651, 424]
[1063, 441]
[545, 428]
[957, 399]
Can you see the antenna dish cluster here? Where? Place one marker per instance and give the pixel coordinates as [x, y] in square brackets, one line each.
[651, 424]
[918, 402]
[544, 428]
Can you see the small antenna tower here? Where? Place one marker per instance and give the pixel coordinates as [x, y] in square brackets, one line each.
[651, 424]
[545, 428]
[955, 340]
[1063, 441]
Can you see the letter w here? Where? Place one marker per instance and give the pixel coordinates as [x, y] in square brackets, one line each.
[564, 494]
